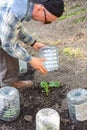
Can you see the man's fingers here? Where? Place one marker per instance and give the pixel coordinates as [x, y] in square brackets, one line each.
[44, 70]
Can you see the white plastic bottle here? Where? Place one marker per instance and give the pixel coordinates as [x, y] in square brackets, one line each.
[9, 103]
[22, 67]
[77, 104]
[50, 53]
[47, 119]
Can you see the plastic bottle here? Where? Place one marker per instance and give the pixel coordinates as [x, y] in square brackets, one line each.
[50, 53]
[47, 119]
[22, 67]
[9, 103]
[77, 104]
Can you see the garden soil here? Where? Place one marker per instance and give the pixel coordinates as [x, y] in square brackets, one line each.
[69, 35]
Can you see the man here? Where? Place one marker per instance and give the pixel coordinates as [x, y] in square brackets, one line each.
[12, 13]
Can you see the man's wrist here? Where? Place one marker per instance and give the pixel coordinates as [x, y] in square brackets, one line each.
[33, 43]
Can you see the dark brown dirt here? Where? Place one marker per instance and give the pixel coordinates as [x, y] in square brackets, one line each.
[72, 72]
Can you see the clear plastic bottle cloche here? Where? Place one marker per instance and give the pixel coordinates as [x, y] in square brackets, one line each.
[50, 53]
[77, 104]
[9, 103]
[22, 67]
[47, 119]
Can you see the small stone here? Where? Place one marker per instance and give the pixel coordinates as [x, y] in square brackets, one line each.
[28, 118]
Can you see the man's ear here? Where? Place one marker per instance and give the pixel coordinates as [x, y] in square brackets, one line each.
[40, 7]
[37, 8]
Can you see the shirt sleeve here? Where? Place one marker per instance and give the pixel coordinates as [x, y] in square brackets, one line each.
[10, 28]
[24, 36]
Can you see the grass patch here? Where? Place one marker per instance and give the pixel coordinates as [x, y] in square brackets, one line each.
[73, 14]
[80, 20]
[72, 52]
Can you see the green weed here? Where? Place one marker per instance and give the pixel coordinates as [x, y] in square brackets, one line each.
[71, 52]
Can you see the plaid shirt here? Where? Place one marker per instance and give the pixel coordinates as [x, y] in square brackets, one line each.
[12, 12]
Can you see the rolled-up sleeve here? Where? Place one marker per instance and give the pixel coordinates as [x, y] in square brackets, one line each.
[9, 27]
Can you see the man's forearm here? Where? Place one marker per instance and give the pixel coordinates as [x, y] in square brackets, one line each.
[24, 36]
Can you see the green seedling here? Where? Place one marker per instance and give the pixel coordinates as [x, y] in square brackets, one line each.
[46, 85]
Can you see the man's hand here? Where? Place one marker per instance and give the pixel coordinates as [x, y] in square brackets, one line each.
[37, 63]
[38, 45]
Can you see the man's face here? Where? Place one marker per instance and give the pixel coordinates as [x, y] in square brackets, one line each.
[43, 15]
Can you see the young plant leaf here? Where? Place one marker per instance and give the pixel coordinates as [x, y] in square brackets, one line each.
[54, 84]
[45, 86]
